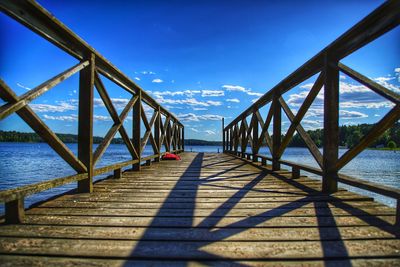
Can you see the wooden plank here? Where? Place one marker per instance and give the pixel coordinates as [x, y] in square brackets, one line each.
[25, 99]
[19, 260]
[85, 123]
[195, 234]
[200, 250]
[27, 114]
[23, 191]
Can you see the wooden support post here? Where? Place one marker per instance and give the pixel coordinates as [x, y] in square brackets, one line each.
[276, 143]
[223, 136]
[157, 134]
[183, 138]
[397, 223]
[248, 156]
[85, 124]
[295, 172]
[14, 211]
[136, 135]
[168, 137]
[148, 162]
[331, 125]
[117, 173]
[255, 145]
[263, 161]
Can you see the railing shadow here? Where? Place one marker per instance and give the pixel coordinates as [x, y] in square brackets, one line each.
[184, 249]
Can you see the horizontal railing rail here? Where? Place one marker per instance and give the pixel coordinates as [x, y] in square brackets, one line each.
[239, 134]
[162, 129]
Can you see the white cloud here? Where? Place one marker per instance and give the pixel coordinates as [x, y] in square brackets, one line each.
[349, 114]
[101, 118]
[187, 101]
[194, 130]
[61, 118]
[74, 117]
[137, 78]
[61, 107]
[208, 93]
[236, 88]
[23, 87]
[194, 117]
[145, 72]
[214, 103]
[235, 100]
[188, 93]
[377, 115]
[157, 81]
[254, 93]
[209, 132]
[200, 109]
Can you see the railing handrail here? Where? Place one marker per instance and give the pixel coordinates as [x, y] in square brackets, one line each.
[41, 21]
[168, 133]
[380, 21]
[239, 133]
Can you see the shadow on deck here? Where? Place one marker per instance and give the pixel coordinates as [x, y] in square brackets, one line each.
[208, 208]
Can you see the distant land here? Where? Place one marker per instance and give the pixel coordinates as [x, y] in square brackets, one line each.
[13, 136]
[349, 136]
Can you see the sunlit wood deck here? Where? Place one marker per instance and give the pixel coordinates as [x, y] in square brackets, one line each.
[210, 208]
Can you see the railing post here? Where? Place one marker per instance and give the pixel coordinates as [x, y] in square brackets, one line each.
[85, 124]
[231, 139]
[117, 173]
[223, 136]
[277, 128]
[254, 123]
[136, 136]
[14, 211]
[295, 172]
[183, 138]
[397, 222]
[157, 139]
[331, 125]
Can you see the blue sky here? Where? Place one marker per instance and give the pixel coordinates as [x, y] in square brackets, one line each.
[203, 60]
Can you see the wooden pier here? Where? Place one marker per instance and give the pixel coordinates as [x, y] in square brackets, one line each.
[235, 208]
[207, 207]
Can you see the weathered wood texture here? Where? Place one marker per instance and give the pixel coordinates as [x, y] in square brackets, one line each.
[207, 207]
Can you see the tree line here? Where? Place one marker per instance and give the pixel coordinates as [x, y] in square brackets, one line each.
[348, 137]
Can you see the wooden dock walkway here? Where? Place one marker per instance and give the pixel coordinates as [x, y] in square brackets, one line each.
[207, 208]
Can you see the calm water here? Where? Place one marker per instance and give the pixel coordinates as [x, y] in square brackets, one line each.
[25, 163]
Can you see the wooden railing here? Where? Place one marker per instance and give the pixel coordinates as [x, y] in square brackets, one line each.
[326, 64]
[163, 128]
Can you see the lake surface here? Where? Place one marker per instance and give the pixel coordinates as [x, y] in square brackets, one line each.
[26, 163]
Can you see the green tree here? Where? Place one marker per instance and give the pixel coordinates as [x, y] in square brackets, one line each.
[391, 144]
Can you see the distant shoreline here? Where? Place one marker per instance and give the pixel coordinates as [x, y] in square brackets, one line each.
[351, 136]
